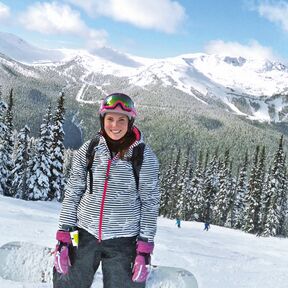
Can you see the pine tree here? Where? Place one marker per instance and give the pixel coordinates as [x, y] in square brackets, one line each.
[181, 184]
[41, 163]
[196, 190]
[265, 202]
[231, 217]
[19, 187]
[172, 187]
[283, 221]
[223, 196]
[166, 183]
[262, 184]
[241, 194]
[184, 200]
[9, 143]
[253, 200]
[211, 187]
[3, 127]
[57, 180]
[3, 153]
[277, 199]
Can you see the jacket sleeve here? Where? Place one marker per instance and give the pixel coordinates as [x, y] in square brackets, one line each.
[149, 194]
[74, 189]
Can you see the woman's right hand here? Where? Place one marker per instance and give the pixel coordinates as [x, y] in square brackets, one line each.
[62, 260]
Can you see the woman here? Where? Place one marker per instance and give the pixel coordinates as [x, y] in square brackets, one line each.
[117, 220]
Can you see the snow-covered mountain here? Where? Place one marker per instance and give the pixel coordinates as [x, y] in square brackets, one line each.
[250, 87]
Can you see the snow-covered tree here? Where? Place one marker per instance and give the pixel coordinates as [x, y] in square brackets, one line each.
[9, 143]
[4, 172]
[252, 220]
[231, 218]
[283, 221]
[40, 174]
[240, 194]
[182, 185]
[172, 185]
[223, 196]
[166, 179]
[195, 190]
[19, 187]
[57, 179]
[3, 127]
[211, 187]
[276, 200]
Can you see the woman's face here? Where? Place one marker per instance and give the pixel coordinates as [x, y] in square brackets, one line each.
[115, 125]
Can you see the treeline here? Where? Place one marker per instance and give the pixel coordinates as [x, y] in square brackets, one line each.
[32, 168]
[255, 200]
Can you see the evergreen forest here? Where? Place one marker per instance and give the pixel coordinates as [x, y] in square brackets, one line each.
[241, 184]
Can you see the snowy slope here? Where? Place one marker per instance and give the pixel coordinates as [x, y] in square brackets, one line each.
[219, 258]
[250, 76]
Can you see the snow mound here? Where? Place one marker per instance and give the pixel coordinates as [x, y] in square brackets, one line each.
[28, 262]
[23, 262]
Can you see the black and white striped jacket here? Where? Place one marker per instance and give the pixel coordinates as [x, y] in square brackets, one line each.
[115, 208]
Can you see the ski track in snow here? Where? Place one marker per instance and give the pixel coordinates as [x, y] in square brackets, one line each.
[219, 258]
[84, 88]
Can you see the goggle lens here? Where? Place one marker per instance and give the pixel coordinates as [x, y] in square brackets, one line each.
[113, 100]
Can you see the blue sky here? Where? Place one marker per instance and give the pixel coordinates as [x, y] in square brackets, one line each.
[153, 28]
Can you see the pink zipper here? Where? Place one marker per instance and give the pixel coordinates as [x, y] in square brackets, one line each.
[103, 199]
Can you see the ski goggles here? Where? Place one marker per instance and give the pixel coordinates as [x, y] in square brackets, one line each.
[113, 100]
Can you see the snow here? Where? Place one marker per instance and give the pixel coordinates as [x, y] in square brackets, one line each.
[20, 69]
[219, 258]
[200, 73]
[256, 77]
[217, 76]
[262, 114]
[251, 76]
[85, 86]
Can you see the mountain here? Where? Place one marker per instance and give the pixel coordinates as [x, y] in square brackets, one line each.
[250, 87]
[193, 99]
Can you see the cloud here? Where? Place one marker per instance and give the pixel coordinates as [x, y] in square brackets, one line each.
[162, 15]
[55, 18]
[276, 12]
[252, 50]
[4, 11]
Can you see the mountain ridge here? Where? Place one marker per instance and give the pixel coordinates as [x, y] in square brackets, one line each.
[240, 84]
[207, 74]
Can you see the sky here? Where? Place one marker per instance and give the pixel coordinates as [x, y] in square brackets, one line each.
[219, 258]
[153, 29]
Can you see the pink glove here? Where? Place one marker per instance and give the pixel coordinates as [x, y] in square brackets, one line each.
[140, 271]
[62, 259]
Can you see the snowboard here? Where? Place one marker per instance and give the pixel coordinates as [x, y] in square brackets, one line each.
[28, 262]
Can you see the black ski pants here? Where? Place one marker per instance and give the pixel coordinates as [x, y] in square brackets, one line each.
[116, 257]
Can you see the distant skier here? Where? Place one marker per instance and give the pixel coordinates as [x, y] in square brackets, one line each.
[115, 218]
[178, 222]
[206, 226]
